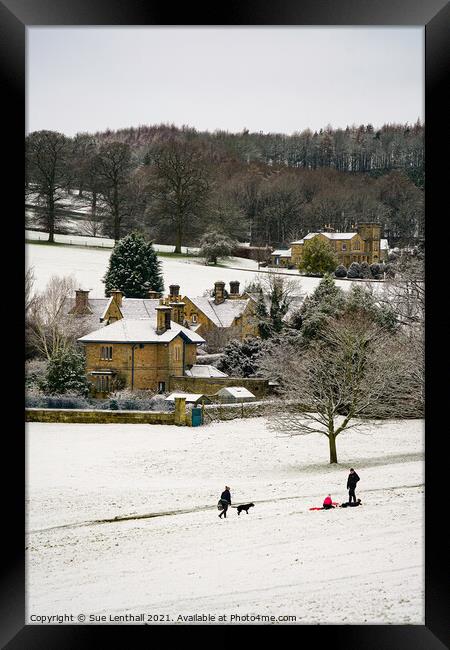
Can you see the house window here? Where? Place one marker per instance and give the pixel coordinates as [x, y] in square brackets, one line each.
[375, 245]
[161, 386]
[357, 245]
[344, 247]
[106, 352]
[177, 353]
[102, 383]
[194, 318]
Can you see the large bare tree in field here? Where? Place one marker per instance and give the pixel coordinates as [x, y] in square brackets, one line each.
[47, 173]
[179, 187]
[356, 370]
[51, 328]
[112, 168]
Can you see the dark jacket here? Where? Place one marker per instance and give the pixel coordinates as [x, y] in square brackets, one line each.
[226, 496]
[352, 480]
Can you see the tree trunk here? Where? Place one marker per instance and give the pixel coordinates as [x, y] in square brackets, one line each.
[94, 205]
[333, 453]
[51, 221]
[178, 238]
[116, 216]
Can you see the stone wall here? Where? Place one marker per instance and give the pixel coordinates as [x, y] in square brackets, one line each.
[99, 417]
[211, 385]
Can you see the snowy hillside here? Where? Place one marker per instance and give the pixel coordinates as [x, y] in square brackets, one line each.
[353, 566]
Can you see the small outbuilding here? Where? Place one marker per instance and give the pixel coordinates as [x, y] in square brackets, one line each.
[235, 394]
[191, 398]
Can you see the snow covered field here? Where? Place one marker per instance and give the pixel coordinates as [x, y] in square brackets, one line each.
[89, 265]
[344, 566]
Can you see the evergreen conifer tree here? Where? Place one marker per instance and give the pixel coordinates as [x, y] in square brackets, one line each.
[134, 268]
[66, 374]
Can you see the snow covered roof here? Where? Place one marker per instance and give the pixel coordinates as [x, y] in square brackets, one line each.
[282, 252]
[139, 331]
[329, 235]
[223, 314]
[235, 391]
[97, 306]
[339, 235]
[384, 245]
[204, 370]
[135, 308]
[190, 397]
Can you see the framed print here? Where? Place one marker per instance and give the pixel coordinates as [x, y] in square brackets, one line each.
[222, 213]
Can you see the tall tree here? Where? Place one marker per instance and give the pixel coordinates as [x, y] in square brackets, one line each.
[180, 187]
[47, 154]
[112, 167]
[357, 370]
[133, 268]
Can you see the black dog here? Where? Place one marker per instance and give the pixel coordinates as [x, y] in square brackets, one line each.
[245, 507]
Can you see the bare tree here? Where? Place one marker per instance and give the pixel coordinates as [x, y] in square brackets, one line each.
[218, 337]
[48, 170]
[179, 187]
[276, 294]
[29, 289]
[112, 167]
[405, 291]
[357, 370]
[405, 294]
[51, 328]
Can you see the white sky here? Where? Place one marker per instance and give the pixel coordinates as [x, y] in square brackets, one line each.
[265, 79]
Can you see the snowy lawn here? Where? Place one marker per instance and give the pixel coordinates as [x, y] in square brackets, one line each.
[350, 566]
[88, 266]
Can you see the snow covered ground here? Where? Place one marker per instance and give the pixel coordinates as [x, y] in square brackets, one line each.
[344, 566]
[88, 266]
[103, 242]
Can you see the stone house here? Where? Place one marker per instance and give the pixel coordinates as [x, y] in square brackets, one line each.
[225, 314]
[139, 353]
[362, 245]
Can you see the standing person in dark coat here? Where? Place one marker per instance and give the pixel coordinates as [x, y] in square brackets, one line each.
[225, 501]
[352, 480]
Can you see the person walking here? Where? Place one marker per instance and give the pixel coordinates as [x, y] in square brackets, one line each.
[225, 501]
[352, 480]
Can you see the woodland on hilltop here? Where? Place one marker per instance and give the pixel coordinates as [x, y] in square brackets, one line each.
[172, 184]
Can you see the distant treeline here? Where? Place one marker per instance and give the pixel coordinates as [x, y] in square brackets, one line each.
[267, 188]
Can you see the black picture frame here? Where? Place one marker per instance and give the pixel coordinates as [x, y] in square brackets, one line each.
[434, 15]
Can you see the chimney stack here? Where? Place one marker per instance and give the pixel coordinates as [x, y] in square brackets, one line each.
[219, 292]
[117, 296]
[163, 313]
[234, 289]
[82, 302]
[174, 290]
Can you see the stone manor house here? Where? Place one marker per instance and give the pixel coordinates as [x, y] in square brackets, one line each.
[362, 245]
